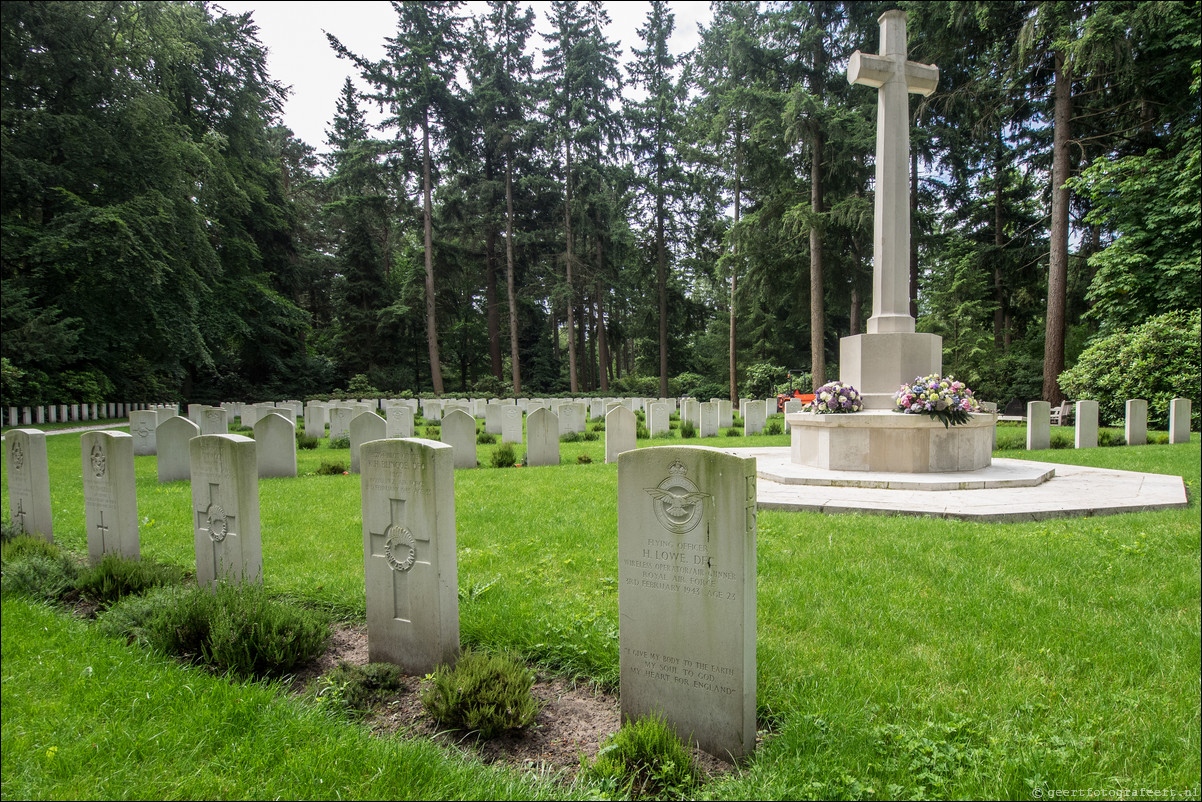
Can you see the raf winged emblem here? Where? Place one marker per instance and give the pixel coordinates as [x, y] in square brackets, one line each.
[678, 502]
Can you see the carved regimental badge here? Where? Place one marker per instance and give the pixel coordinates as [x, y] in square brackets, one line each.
[17, 455]
[400, 548]
[678, 503]
[219, 527]
[99, 461]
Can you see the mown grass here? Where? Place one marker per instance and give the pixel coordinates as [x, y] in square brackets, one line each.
[897, 657]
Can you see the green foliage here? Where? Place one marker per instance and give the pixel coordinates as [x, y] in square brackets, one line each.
[16, 544]
[486, 438]
[360, 387]
[39, 575]
[760, 379]
[235, 628]
[484, 693]
[641, 432]
[492, 387]
[306, 442]
[688, 429]
[734, 431]
[332, 468]
[583, 459]
[774, 426]
[357, 689]
[590, 436]
[1157, 361]
[340, 442]
[115, 577]
[9, 530]
[644, 760]
[504, 456]
[570, 437]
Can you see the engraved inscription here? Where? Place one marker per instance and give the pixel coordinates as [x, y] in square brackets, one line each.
[680, 671]
[17, 455]
[678, 502]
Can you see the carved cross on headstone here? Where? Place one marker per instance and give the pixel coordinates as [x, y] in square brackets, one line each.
[895, 77]
[398, 547]
[19, 515]
[103, 530]
[216, 522]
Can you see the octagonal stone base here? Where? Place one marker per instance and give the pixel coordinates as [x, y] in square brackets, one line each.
[879, 440]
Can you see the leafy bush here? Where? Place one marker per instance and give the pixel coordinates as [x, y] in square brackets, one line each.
[340, 442]
[485, 693]
[645, 760]
[9, 530]
[39, 575]
[114, 577]
[486, 438]
[234, 628]
[583, 459]
[760, 379]
[590, 436]
[570, 437]
[1158, 360]
[434, 431]
[774, 427]
[307, 443]
[361, 387]
[17, 544]
[734, 431]
[641, 432]
[688, 429]
[356, 689]
[504, 456]
[492, 387]
[332, 468]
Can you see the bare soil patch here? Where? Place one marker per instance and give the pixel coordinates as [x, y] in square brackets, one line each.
[573, 720]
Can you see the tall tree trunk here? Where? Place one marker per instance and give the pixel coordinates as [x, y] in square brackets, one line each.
[428, 224]
[734, 262]
[817, 311]
[661, 281]
[602, 336]
[999, 297]
[569, 257]
[581, 349]
[516, 369]
[490, 300]
[1053, 349]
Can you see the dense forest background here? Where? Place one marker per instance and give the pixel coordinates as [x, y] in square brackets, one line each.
[524, 223]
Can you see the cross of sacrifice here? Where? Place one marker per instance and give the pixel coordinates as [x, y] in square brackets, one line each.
[895, 78]
[397, 547]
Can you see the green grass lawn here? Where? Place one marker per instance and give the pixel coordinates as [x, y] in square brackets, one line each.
[897, 656]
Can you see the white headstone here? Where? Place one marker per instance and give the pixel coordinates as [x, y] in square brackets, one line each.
[142, 426]
[753, 417]
[657, 419]
[1039, 425]
[29, 482]
[1085, 432]
[214, 421]
[1180, 411]
[225, 509]
[400, 421]
[686, 593]
[1136, 425]
[542, 436]
[690, 410]
[571, 417]
[365, 427]
[316, 417]
[171, 442]
[275, 446]
[340, 421]
[511, 424]
[709, 420]
[110, 500]
[726, 417]
[408, 491]
[621, 428]
[196, 413]
[459, 432]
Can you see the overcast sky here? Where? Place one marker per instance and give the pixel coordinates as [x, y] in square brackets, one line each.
[300, 57]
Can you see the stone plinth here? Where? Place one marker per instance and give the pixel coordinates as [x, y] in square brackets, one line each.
[879, 440]
[878, 364]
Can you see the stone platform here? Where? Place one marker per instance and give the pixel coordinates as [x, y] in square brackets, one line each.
[1000, 493]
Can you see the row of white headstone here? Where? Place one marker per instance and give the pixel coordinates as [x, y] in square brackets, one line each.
[1085, 435]
[686, 552]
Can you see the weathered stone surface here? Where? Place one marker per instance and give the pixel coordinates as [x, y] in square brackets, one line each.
[621, 432]
[225, 509]
[686, 598]
[1135, 428]
[275, 446]
[171, 441]
[459, 432]
[1085, 431]
[408, 491]
[1180, 410]
[110, 500]
[28, 472]
[1039, 425]
[511, 424]
[142, 427]
[365, 427]
[400, 420]
[542, 436]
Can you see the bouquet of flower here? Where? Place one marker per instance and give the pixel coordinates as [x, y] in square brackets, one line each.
[837, 397]
[940, 397]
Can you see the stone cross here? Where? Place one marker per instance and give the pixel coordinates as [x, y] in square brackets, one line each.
[895, 77]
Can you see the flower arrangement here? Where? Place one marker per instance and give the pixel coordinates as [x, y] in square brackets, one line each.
[939, 397]
[836, 397]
